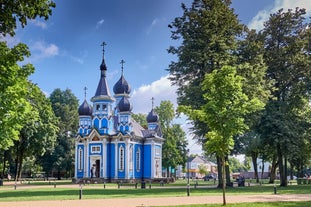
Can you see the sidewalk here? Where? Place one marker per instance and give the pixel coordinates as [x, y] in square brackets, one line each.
[161, 201]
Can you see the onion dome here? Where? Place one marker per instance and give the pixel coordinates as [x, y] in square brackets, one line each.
[85, 109]
[124, 105]
[122, 87]
[152, 116]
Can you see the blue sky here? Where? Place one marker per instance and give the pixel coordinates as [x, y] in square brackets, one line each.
[66, 49]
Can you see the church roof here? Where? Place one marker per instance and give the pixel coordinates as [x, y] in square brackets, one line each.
[124, 105]
[122, 87]
[85, 109]
[102, 91]
[152, 116]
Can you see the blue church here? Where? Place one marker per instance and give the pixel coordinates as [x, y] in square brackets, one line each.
[110, 145]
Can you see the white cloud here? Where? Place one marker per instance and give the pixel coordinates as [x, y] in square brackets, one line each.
[41, 50]
[79, 59]
[38, 23]
[161, 90]
[99, 23]
[263, 15]
[152, 25]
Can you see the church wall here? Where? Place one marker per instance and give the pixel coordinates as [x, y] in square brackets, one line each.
[110, 160]
[147, 161]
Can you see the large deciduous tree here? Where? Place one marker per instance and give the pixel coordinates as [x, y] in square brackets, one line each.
[14, 106]
[65, 105]
[224, 111]
[286, 37]
[39, 131]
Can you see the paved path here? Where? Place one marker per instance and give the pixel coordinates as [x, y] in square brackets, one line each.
[161, 201]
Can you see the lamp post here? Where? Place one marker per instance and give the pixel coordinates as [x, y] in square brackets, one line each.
[188, 174]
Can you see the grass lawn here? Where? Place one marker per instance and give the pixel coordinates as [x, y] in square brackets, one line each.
[44, 191]
[271, 204]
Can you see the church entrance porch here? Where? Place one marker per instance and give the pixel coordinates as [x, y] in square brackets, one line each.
[95, 167]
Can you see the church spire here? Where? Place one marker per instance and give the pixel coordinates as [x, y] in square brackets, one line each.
[102, 88]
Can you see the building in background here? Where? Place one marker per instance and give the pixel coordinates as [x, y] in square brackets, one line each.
[193, 166]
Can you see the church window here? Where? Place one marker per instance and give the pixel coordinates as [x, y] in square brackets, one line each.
[157, 151]
[121, 158]
[80, 157]
[123, 119]
[97, 107]
[138, 159]
[81, 122]
[95, 149]
[104, 107]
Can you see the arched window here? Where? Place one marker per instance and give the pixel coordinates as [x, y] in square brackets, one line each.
[137, 159]
[121, 158]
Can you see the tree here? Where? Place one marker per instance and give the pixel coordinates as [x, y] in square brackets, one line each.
[174, 151]
[286, 37]
[236, 165]
[224, 111]
[39, 130]
[65, 105]
[141, 119]
[22, 11]
[208, 32]
[13, 92]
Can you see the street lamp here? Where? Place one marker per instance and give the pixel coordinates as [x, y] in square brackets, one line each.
[188, 173]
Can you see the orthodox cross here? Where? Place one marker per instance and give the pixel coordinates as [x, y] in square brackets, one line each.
[122, 63]
[85, 89]
[103, 44]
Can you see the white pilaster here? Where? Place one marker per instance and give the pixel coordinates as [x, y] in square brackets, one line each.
[104, 159]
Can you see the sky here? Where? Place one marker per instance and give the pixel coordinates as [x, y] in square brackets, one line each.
[66, 49]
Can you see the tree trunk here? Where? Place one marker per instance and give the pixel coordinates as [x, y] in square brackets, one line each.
[223, 181]
[219, 170]
[273, 170]
[262, 168]
[3, 164]
[227, 170]
[282, 166]
[254, 160]
[20, 164]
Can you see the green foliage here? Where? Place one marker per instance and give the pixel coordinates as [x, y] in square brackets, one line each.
[61, 158]
[39, 130]
[236, 165]
[141, 119]
[208, 31]
[285, 124]
[174, 150]
[22, 11]
[13, 92]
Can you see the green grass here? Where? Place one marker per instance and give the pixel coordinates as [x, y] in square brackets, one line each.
[98, 192]
[267, 204]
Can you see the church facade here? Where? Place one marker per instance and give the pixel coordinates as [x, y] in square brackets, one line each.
[110, 145]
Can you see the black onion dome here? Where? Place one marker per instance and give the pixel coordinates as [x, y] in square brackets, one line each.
[122, 87]
[152, 117]
[124, 105]
[85, 109]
